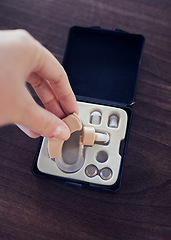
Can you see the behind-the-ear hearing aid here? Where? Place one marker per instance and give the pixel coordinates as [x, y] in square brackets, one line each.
[54, 145]
[88, 138]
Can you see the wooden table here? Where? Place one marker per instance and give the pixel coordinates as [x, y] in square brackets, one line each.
[36, 208]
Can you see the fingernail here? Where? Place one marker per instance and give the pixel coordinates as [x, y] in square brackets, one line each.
[61, 133]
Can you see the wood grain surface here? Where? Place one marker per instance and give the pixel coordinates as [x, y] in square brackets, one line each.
[36, 208]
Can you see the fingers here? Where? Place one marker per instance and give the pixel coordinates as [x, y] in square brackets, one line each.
[38, 121]
[46, 94]
[21, 56]
[50, 69]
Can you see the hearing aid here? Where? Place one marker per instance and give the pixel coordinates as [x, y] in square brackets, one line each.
[55, 145]
[88, 138]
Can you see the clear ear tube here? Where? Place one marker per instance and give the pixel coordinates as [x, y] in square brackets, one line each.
[71, 168]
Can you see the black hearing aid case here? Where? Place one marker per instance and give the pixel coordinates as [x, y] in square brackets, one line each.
[102, 66]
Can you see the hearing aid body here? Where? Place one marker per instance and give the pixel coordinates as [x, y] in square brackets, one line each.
[54, 145]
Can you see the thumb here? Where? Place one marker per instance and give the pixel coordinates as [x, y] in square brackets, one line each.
[40, 121]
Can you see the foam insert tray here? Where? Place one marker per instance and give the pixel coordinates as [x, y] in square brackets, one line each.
[102, 156]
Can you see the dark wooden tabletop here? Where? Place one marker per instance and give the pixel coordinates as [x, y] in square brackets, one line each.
[36, 208]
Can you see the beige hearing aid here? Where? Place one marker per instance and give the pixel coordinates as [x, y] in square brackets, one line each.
[54, 145]
[88, 138]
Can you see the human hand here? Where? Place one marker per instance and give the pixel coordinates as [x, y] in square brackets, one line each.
[22, 58]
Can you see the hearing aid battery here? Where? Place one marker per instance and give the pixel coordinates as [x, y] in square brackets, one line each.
[105, 173]
[91, 170]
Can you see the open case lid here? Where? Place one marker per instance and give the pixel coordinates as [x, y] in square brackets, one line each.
[103, 64]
